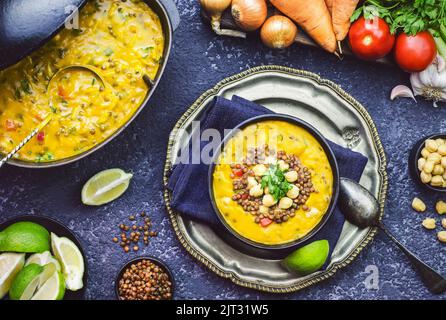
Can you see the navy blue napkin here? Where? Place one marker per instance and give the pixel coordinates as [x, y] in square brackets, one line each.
[189, 182]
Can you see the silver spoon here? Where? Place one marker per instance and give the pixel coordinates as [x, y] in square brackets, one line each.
[362, 209]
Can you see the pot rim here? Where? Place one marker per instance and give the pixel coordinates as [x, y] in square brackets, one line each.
[331, 158]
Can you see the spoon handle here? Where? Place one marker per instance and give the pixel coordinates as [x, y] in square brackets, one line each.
[432, 279]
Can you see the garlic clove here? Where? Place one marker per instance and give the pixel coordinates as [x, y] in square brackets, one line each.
[402, 91]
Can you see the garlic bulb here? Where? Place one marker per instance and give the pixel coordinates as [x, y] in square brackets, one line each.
[431, 82]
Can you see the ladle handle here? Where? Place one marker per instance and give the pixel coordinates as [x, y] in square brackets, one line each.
[435, 282]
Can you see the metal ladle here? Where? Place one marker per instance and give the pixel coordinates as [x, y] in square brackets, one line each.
[361, 208]
[49, 117]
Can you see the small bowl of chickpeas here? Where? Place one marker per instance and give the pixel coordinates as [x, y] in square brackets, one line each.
[428, 162]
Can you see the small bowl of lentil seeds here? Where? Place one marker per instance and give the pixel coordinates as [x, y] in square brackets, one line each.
[144, 278]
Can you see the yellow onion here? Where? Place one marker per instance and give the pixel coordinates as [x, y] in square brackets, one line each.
[215, 9]
[278, 32]
[249, 14]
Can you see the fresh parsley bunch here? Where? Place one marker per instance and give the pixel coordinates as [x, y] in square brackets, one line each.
[409, 16]
[275, 180]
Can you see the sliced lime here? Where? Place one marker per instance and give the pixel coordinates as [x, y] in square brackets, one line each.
[43, 259]
[10, 265]
[26, 282]
[52, 289]
[105, 187]
[71, 260]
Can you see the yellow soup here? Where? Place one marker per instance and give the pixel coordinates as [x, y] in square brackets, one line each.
[122, 40]
[252, 202]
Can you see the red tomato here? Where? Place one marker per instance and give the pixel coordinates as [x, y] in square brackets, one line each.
[265, 222]
[238, 172]
[41, 136]
[245, 196]
[370, 39]
[415, 53]
[10, 125]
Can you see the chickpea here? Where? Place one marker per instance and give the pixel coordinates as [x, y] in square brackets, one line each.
[435, 157]
[270, 160]
[443, 162]
[421, 163]
[425, 177]
[429, 223]
[291, 176]
[443, 223]
[263, 210]
[438, 170]
[440, 206]
[442, 236]
[268, 200]
[431, 145]
[283, 165]
[418, 205]
[439, 141]
[285, 203]
[259, 169]
[256, 191]
[252, 182]
[293, 193]
[428, 166]
[442, 150]
[425, 153]
[437, 181]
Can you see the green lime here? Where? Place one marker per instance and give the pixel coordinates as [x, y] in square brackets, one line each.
[26, 282]
[52, 289]
[309, 258]
[10, 265]
[25, 237]
[105, 187]
[43, 259]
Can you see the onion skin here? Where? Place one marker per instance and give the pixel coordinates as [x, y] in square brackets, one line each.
[249, 14]
[278, 32]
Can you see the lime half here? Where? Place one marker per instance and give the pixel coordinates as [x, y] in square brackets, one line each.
[25, 237]
[309, 258]
[52, 289]
[10, 265]
[105, 187]
[71, 259]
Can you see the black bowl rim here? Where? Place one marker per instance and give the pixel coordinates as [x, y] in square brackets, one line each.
[331, 158]
[155, 260]
[415, 154]
[61, 225]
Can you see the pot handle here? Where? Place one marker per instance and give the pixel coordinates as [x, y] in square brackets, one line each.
[172, 12]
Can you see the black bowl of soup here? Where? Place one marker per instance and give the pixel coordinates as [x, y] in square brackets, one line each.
[273, 183]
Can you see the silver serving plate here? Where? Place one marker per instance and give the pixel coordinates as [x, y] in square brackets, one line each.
[338, 116]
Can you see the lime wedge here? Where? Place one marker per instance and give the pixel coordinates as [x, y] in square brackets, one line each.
[24, 237]
[10, 265]
[26, 282]
[43, 259]
[52, 289]
[105, 187]
[71, 260]
[309, 258]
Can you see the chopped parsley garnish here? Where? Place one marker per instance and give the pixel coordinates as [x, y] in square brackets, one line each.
[275, 180]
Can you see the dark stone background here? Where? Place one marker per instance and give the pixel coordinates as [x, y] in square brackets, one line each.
[200, 59]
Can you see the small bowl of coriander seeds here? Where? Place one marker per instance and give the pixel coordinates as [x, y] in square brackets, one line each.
[144, 278]
[428, 162]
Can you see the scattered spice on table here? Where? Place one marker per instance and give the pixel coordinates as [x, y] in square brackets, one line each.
[131, 235]
[145, 280]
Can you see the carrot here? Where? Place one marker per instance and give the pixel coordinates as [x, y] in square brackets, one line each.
[313, 17]
[329, 4]
[342, 10]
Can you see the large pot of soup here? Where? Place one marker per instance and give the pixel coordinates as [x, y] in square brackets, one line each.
[115, 57]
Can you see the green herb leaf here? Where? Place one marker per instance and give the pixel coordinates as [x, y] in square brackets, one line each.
[275, 180]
